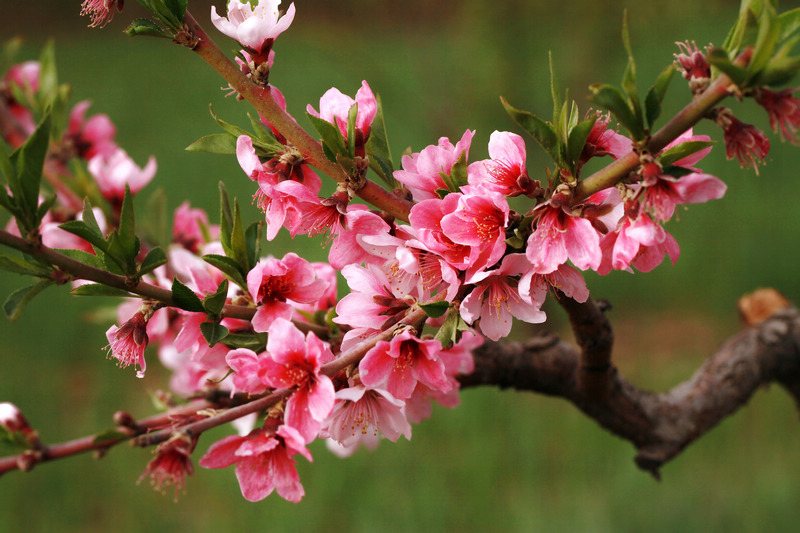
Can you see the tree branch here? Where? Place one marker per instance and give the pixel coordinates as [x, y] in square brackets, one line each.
[660, 426]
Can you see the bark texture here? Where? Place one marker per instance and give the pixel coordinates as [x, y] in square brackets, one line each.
[659, 425]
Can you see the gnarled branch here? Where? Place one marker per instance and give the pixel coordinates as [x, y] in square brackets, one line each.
[659, 425]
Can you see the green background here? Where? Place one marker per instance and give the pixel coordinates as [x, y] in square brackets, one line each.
[503, 460]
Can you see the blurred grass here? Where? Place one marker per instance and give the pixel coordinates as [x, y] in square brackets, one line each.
[503, 460]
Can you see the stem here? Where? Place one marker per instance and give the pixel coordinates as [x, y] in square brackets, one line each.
[685, 119]
[261, 99]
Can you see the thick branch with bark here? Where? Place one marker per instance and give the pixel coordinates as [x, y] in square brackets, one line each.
[661, 425]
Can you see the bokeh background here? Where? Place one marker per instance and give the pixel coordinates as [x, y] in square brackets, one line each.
[503, 461]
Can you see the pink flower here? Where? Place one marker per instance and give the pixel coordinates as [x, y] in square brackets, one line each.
[295, 361]
[504, 172]
[334, 107]
[663, 192]
[12, 419]
[426, 218]
[127, 343]
[188, 227]
[399, 364]
[534, 287]
[254, 28]
[421, 171]
[560, 236]
[100, 11]
[783, 109]
[641, 243]
[496, 300]
[479, 221]
[374, 301]
[116, 170]
[360, 413]
[744, 141]
[274, 281]
[346, 248]
[171, 465]
[90, 137]
[604, 141]
[263, 462]
[692, 63]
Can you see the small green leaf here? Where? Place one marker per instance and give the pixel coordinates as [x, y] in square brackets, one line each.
[17, 300]
[238, 240]
[213, 332]
[48, 76]
[20, 266]
[678, 152]
[380, 155]
[541, 131]
[127, 228]
[154, 259]
[147, 28]
[555, 92]
[225, 220]
[769, 34]
[610, 98]
[351, 130]
[98, 289]
[29, 162]
[234, 130]
[331, 136]
[6, 167]
[218, 143]
[230, 267]
[84, 257]
[253, 240]
[213, 303]
[251, 341]
[448, 331]
[185, 298]
[84, 231]
[457, 177]
[718, 58]
[577, 140]
[435, 309]
[656, 94]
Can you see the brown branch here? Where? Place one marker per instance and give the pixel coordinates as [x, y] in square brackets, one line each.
[660, 426]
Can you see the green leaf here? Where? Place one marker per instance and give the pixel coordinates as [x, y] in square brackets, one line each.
[351, 130]
[213, 332]
[225, 220]
[252, 238]
[541, 131]
[154, 259]
[167, 14]
[185, 298]
[629, 76]
[331, 136]
[98, 289]
[29, 161]
[84, 231]
[555, 92]
[448, 331]
[218, 143]
[20, 266]
[380, 156]
[127, 228]
[251, 341]
[234, 130]
[435, 309]
[610, 98]
[146, 28]
[769, 34]
[17, 300]
[213, 303]
[789, 23]
[238, 241]
[577, 140]
[678, 152]
[177, 8]
[84, 257]
[656, 94]
[48, 76]
[457, 177]
[154, 228]
[230, 267]
[718, 58]
[6, 167]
